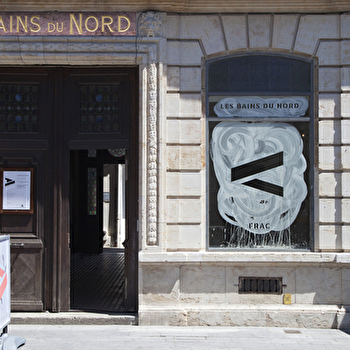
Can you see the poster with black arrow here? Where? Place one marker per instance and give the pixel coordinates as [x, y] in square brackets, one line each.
[16, 190]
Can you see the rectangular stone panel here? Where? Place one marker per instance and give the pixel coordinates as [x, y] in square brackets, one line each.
[185, 158]
[235, 31]
[160, 284]
[330, 237]
[184, 210]
[284, 27]
[184, 131]
[329, 106]
[330, 210]
[184, 237]
[329, 53]
[318, 285]
[330, 158]
[329, 79]
[184, 53]
[345, 79]
[330, 184]
[207, 286]
[184, 184]
[329, 132]
[345, 52]
[205, 28]
[259, 30]
[345, 105]
[184, 105]
[314, 27]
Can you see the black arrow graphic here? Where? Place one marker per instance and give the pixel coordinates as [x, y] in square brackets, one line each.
[9, 181]
[256, 167]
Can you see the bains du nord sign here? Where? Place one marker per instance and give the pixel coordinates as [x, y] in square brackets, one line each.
[66, 23]
[253, 106]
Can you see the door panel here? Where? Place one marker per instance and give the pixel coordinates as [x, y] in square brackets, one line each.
[25, 99]
[45, 113]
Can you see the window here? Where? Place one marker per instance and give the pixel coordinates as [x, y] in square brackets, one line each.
[260, 130]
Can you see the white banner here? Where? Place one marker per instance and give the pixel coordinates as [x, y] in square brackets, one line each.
[252, 106]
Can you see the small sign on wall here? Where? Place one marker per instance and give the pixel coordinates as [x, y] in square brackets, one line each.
[17, 190]
[287, 299]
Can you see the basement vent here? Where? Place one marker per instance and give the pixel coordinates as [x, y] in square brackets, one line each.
[260, 285]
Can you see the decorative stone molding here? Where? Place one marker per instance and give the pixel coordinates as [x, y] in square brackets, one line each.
[183, 6]
[150, 24]
[152, 158]
[106, 51]
[152, 141]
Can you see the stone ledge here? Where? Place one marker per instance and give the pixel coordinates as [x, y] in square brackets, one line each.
[238, 257]
[73, 318]
[294, 316]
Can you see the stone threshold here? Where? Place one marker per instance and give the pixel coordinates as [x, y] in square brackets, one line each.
[243, 257]
[73, 318]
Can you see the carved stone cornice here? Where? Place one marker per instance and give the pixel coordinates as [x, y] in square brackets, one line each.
[182, 6]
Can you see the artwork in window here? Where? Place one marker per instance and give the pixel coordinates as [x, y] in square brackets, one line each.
[260, 170]
[259, 110]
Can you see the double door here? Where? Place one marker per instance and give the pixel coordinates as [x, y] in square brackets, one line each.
[49, 117]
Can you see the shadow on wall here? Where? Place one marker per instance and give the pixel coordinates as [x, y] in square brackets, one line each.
[344, 320]
[160, 280]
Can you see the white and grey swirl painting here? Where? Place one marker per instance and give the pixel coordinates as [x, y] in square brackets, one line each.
[260, 170]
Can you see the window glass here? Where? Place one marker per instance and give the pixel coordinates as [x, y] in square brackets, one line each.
[259, 74]
[259, 153]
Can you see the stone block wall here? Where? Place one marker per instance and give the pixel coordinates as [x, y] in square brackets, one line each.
[181, 281]
[193, 39]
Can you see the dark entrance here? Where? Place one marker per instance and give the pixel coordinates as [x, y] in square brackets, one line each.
[63, 122]
[99, 232]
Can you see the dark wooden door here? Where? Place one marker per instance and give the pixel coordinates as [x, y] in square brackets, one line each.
[45, 113]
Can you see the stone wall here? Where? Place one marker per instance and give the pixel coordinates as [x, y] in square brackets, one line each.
[181, 282]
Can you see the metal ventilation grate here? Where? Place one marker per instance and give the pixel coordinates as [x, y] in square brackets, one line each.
[260, 285]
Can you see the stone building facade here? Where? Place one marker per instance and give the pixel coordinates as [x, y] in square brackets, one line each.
[184, 275]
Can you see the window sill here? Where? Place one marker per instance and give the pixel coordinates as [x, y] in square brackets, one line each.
[240, 257]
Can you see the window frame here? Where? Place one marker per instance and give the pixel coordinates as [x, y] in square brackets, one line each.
[311, 120]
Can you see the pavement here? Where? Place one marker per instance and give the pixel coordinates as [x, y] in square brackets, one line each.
[131, 337]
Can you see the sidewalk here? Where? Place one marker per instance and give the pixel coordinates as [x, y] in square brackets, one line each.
[128, 337]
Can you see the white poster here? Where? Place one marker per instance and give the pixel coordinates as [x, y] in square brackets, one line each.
[16, 190]
[5, 291]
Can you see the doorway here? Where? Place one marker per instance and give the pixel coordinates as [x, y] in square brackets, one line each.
[52, 120]
[103, 195]
[98, 229]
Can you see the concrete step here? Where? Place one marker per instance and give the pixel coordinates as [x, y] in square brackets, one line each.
[72, 318]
